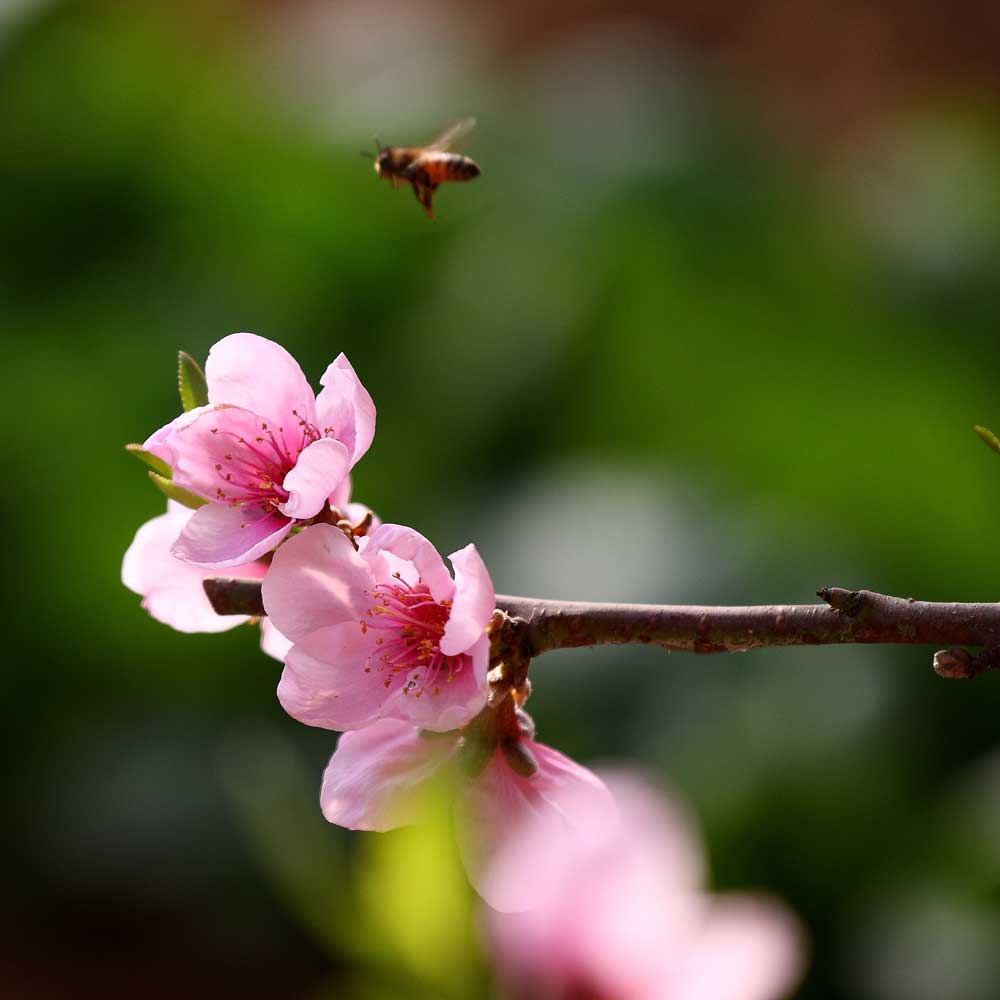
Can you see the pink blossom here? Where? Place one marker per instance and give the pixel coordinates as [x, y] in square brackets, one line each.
[373, 781]
[383, 632]
[266, 452]
[171, 590]
[619, 914]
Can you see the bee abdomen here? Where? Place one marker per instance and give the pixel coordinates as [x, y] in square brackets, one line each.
[461, 168]
[440, 167]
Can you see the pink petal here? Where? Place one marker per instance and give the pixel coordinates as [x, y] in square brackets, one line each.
[747, 949]
[316, 579]
[616, 910]
[473, 605]
[219, 536]
[341, 496]
[272, 641]
[161, 443]
[601, 918]
[370, 780]
[209, 456]
[325, 682]
[319, 470]
[172, 589]
[345, 406]
[261, 376]
[456, 703]
[551, 807]
[660, 831]
[411, 547]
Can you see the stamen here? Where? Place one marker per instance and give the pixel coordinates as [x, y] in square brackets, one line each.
[413, 623]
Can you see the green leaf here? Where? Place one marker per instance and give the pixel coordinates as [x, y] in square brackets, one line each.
[191, 382]
[156, 464]
[989, 437]
[175, 492]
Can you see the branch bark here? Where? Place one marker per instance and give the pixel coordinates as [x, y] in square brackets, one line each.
[232, 596]
[847, 616]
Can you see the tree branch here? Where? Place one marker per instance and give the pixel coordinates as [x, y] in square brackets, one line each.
[847, 616]
[232, 596]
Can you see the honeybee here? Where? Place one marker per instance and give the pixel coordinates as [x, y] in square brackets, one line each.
[425, 167]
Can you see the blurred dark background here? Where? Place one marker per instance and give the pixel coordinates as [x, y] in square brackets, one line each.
[713, 327]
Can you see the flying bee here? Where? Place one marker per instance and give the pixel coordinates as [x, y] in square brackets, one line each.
[425, 167]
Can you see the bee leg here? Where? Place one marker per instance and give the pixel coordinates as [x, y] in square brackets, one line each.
[395, 183]
[425, 195]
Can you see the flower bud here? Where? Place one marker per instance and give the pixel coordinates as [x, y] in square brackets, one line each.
[519, 758]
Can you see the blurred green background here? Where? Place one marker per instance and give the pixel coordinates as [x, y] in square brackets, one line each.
[713, 327]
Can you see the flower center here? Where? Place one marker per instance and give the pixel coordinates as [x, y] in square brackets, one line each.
[253, 470]
[410, 623]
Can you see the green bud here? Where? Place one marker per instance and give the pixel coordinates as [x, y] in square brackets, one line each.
[988, 437]
[191, 382]
[156, 464]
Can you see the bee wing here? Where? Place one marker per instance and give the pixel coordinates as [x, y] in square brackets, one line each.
[452, 135]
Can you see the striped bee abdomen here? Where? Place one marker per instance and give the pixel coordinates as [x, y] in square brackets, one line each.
[441, 167]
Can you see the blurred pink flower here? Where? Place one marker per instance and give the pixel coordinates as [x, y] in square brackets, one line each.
[619, 913]
[265, 451]
[382, 632]
[373, 780]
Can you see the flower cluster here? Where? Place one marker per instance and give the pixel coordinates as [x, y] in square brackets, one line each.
[381, 642]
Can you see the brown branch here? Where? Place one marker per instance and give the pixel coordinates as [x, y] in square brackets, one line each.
[231, 596]
[537, 626]
[847, 617]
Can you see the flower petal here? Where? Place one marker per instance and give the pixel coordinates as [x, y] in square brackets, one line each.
[554, 805]
[261, 376]
[219, 536]
[341, 496]
[617, 911]
[161, 443]
[747, 949]
[345, 407]
[456, 703]
[328, 682]
[316, 579]
[318, 471]
[473, 605]
[410, 547]
[370, 780]
[171, 589]
[272, 641]
[217, 454]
